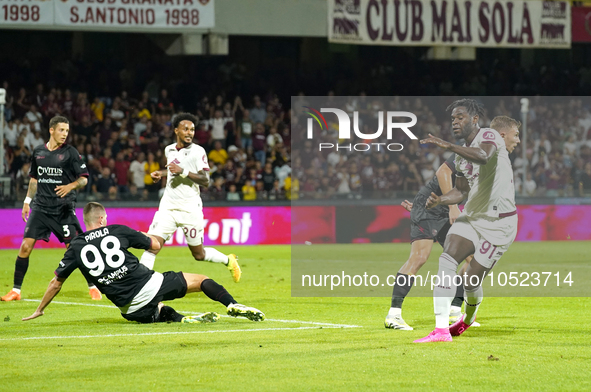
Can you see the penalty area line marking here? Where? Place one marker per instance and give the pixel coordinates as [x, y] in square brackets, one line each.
[328, 325]
[164, 333]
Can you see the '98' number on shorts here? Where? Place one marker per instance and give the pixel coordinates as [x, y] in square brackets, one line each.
[97, 266]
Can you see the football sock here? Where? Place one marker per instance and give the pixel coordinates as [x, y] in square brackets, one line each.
[148, 259]
[459, 299]
[169, 314]
[394, 312]
[473, 300]
[215, 256]
[444, 292]
[20, 269]
[217, 292]
[401, 288]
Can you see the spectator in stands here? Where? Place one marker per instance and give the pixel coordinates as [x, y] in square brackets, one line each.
[8, 111]
[218, 154]
[35, 139]
[218, 128]
[244, 130]
[105, 184]
[122, 173]
[81, 109]
[202, 135]
[22, 104]
[164, 104]
[140, 127]
[259, 143]
[138, 171]
[232, 195]
[98, 108]
[39, 97]
[276, 193]
[151, 166]
[67, 103]
[216, 190]
[530, 185]
[116, 113]
[268, 177]
[22, 181]
[292, 188]
[22, 155]
[149, 139]
[258, 113]
[11, 132]
[249, 192]
[273, 138]
[35, 118]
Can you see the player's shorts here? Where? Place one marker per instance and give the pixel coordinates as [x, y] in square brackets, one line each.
[173, 286]
[64, 226]
[428, 224]
[488, 249]
[166, 222]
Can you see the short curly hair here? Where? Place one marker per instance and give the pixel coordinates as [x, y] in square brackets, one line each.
[473, 107]
[183, 117]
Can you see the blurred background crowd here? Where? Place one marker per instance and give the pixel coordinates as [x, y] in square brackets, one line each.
[120, 116]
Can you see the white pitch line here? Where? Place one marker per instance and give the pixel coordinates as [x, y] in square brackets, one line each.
[331, 325]
[163, 333]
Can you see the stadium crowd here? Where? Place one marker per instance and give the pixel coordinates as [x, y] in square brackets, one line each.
[249, 145]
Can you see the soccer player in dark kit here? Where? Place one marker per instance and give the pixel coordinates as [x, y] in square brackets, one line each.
[56, 172]
[101, 255]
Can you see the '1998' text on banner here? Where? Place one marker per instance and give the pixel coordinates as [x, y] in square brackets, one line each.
[110, 15]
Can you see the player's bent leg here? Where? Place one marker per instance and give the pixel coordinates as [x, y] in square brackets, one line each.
[456, 305]
[475, 274]
[200, 253]
[457, 248]
[217, 292]
[419, 253]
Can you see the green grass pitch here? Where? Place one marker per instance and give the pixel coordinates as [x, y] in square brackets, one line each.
[308, 343]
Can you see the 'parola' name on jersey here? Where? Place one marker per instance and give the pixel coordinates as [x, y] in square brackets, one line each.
[97, 234]
[50, 171]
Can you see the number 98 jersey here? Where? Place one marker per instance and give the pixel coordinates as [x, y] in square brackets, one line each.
[102, 257]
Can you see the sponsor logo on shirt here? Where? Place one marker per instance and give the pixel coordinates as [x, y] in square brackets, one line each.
[49, 171]
[489, 135]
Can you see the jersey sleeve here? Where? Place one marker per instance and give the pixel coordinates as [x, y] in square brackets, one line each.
[68, 263]
[136, 239]
[490, 136]
[33, 167]
[451, 163]
[80, 169]
[202, 162]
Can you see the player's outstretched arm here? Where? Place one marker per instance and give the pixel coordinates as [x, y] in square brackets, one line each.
[444, 178]
[30, 195]
[479, 155]
[54, 288]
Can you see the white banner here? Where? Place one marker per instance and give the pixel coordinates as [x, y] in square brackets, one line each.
[27, 12]
[111, 15]
[450, 23]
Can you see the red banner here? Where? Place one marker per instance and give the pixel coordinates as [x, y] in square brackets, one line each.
[581, 22]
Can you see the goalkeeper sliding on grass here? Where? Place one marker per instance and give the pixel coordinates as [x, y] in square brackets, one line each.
[101, 255]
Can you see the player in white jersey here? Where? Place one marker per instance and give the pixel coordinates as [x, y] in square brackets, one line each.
[488, 224]
[181, 206]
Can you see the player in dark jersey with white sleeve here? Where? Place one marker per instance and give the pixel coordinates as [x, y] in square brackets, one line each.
[427, 226]
[101, 253]
[56, 172]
